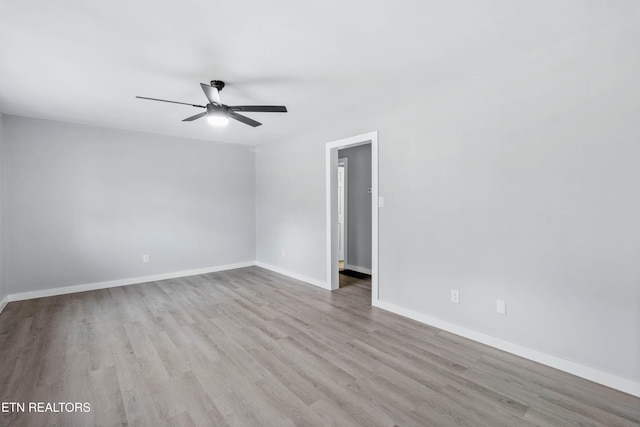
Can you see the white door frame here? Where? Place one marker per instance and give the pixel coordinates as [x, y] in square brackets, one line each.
[331, 158]
[344, 161]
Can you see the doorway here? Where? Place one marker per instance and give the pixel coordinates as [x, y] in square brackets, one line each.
[354, 215]
[332, 200]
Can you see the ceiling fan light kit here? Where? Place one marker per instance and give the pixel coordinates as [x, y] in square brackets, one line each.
[218, 114]
[217, 117]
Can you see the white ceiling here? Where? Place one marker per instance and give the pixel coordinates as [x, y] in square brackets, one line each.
[329, 61]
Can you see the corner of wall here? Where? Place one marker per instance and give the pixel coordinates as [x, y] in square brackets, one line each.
[316, 282]
[4, 298]
[3, 303]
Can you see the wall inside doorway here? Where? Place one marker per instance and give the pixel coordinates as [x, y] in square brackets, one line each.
[358, 207]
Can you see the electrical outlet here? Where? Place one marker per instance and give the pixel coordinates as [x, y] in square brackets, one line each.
[455, 296]
[145, 258]
[501, 306]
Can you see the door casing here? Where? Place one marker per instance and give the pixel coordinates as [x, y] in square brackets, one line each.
[331, 176]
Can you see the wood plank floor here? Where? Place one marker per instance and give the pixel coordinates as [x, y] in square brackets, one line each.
[250, 347]
[349, 280]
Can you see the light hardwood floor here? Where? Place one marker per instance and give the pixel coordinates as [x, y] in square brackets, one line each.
[349, 280]
[251, 347]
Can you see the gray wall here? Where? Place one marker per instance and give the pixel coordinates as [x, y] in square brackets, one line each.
[83, 204]
[3, 283]
[359, 205]
[289, 203]
[520, 183]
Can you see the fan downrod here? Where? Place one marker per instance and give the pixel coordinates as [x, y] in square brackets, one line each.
[218, 84]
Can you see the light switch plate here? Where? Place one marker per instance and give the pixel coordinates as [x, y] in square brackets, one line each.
[501, 306]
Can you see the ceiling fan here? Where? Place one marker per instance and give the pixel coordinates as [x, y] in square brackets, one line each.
[218, 114]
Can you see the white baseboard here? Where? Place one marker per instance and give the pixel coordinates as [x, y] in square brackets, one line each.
[4, 303]
[358, 269]
[595, 375]
[152, 278]
[123, 282]
[320, 283]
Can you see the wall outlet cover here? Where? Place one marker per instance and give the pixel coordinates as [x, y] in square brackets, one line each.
[455, 296]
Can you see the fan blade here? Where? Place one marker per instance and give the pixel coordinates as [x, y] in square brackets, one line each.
[173, 102]
[196, 117]
[244, 119]
[259, 108]
[211, 93]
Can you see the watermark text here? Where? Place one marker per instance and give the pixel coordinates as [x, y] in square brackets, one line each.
[53, 407]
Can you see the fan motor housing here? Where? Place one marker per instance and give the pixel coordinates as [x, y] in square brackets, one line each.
[218, 84]
[211, 108]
